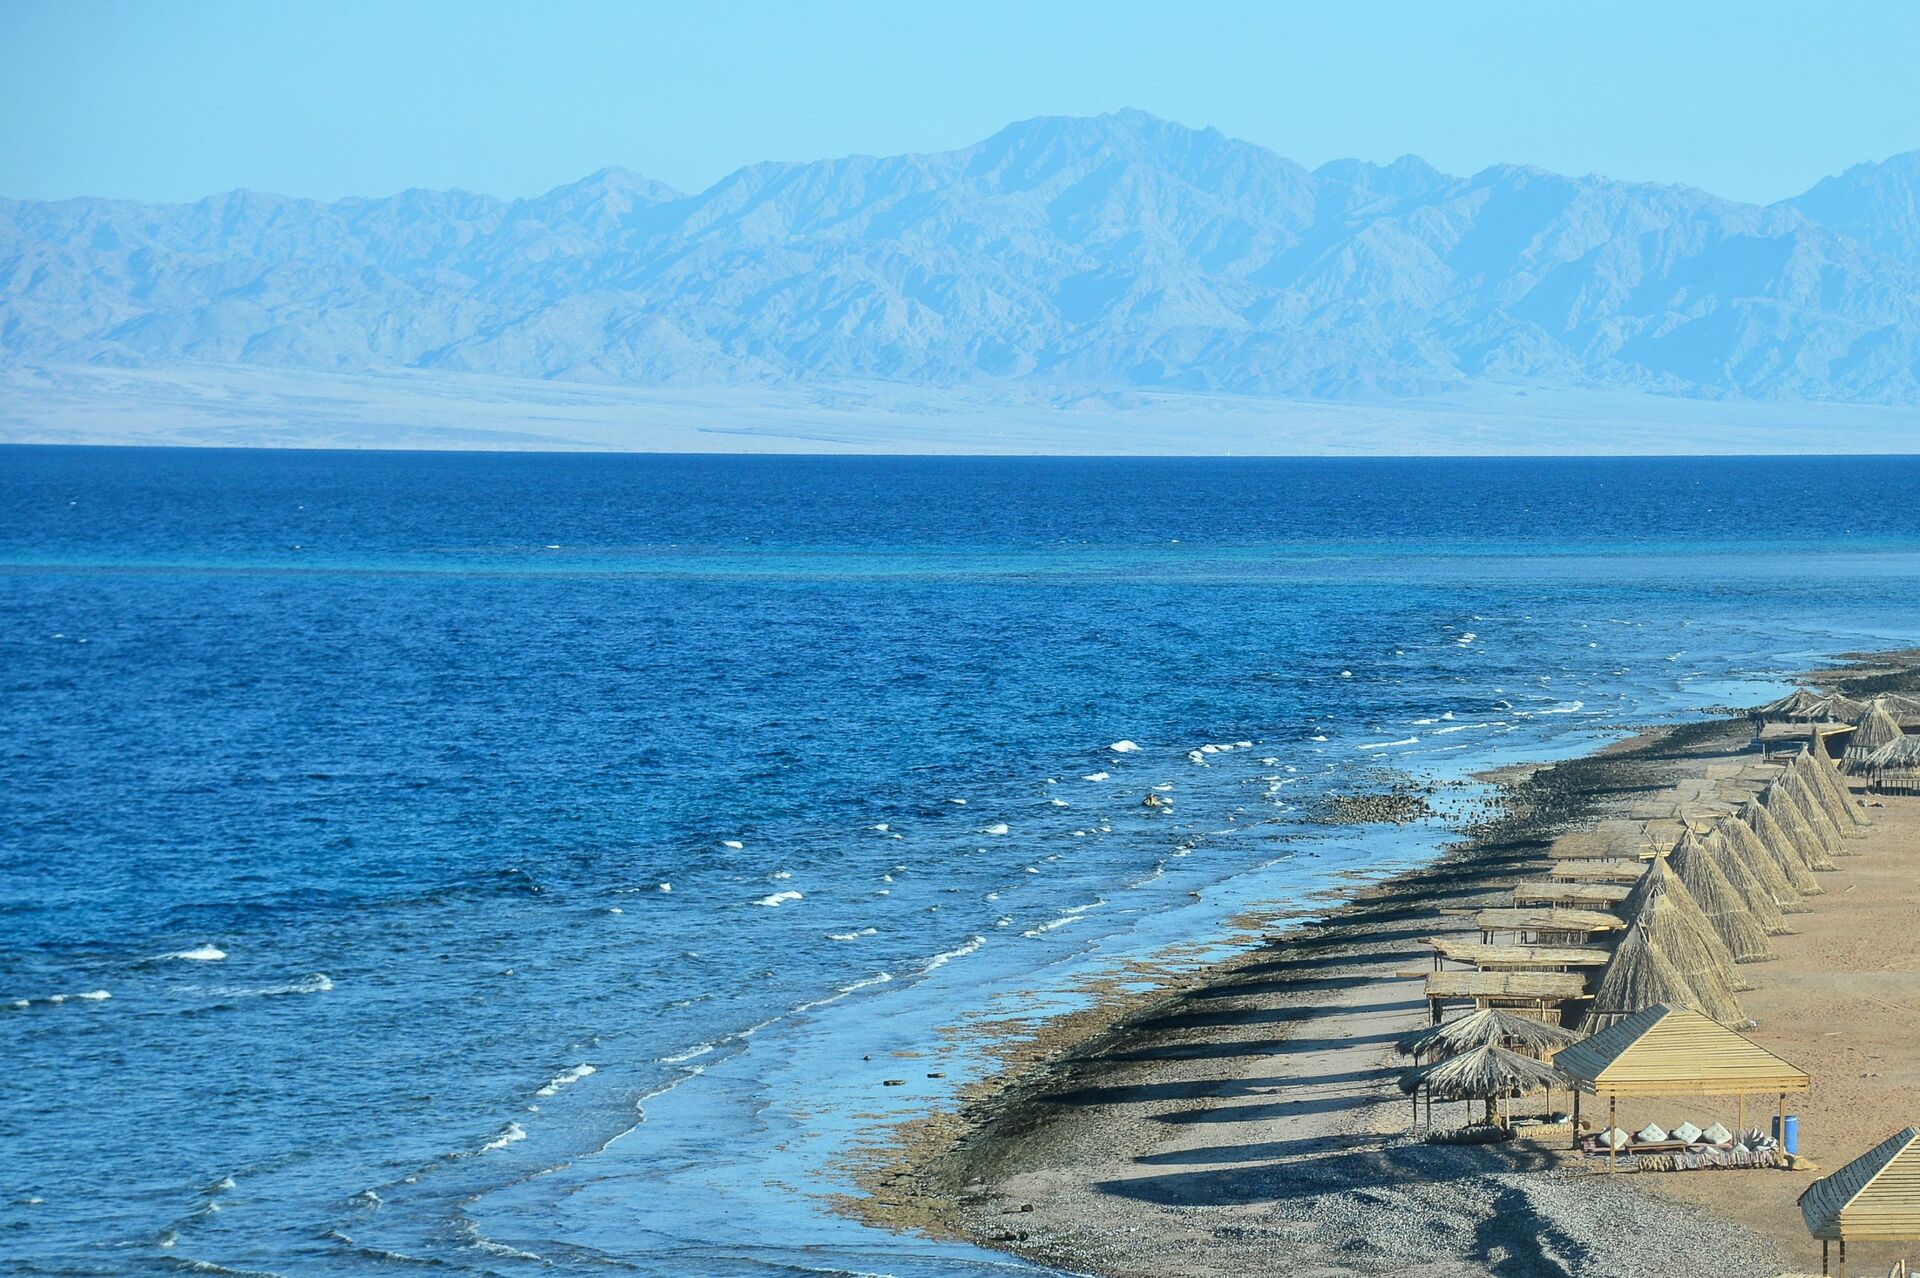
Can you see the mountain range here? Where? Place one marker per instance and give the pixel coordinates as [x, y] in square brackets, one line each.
[1063, 255]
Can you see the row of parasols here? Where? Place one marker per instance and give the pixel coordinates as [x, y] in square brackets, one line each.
[1879, 745]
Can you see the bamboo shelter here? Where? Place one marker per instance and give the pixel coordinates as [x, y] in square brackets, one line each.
[1904, 709]
[1876, 1197]
[1489, 1027]
[1542, 992]
[1819, 820]
[1759, 883]
[1877, 728]
[1724, 907]
[1673, 921]
[1547, 927]
[1598, 870]
[1640, 976]
[1835, 707]
[1895, 768]
[1673, 1051]
[1519, 958]
[1571, 894]
[1491, 1074]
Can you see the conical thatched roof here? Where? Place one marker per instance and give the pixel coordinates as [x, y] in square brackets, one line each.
[1904, 709]
[1640, 976]
[1488, 1027]
[1796, 707]
[1819, 820]
[1792, 824]
[1837, 707]
[1817, 768]
[1904, 753]
[1877, 728]
[1749, 846]
[1674, 921]
[1729, 913]
[1483, 1074]
[1758, 882]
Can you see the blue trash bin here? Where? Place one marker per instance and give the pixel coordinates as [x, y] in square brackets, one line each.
[1788, 1133]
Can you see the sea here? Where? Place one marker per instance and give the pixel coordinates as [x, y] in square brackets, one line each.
[515, 864]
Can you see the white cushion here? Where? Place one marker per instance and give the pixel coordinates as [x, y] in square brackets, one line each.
[1717, 1134]
[1614, 1138]
[1650, 1134]
[1687, 1132]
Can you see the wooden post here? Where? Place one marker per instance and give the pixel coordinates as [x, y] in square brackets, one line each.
[1823, 1257]
[1613, 1108]
[1576, 1118]
[1742, 1120]
[1783, 1154]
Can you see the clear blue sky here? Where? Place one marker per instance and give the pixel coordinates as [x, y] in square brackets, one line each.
[175, 100]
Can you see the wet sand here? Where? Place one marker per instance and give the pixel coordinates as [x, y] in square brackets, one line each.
[1252, 1119]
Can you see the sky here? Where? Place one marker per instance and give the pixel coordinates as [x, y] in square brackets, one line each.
[165, 100]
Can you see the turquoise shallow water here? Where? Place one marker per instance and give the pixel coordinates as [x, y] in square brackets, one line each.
[415, 745]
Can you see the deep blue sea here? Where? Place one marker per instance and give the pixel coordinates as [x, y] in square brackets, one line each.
[535, 864]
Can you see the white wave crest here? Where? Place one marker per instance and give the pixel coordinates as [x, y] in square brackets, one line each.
[779, 898]
[198, 954]
[559, 1081]
[512, 1134]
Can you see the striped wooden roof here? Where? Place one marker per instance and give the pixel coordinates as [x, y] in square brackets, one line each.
[1539, 919]
[1553, 986]
[1877, 1195]
[1565, 892]
[1610, 869]
[1487, 956]
[1672, 1051]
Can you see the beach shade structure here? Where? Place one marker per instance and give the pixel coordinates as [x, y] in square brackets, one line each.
[1876, 1197]
[1759, 883]
[1904, 709]
[1820, 772]
[1895, 768]
[1488, 1027]
[1487, 957]
[1674, 921]
[1572, 894]
[1818, 818]
[1674, 1051]
[1836, 707]
[1796, 707]
[1543, 926]
[1877, 728]
[1793, 825]
[1489, 1073]
[1598, 870]
[1725, 908]
[1746, 841]
[1541, 992]
[1640, 976]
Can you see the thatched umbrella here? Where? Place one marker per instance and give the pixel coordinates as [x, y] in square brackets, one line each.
[1904, 709]
[1796, 707]
[1786, 814]
[1486, 1073]
[1488, 1027]
[1746, 841]
[1758, 882]
[1674, 921]
[1836, 707]
[1640, 975]
[1817, 818]
[1877, 728]
[1817, 768]
[1896, 764]
[1725, 908]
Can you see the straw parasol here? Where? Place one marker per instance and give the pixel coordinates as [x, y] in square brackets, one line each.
[1787, 816]
[1724, 907]
[1488, 1027]
[1758, 882]
[1674, 921]
[1896, 764]
[1640, 976]
[1486, 1073]
[1904, 709]
[1748, 844]
[1815, 767]
[1877, 728]
[1796, 707]
[1836, 707]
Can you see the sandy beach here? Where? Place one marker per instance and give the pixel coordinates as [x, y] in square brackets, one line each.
[1253, 1119]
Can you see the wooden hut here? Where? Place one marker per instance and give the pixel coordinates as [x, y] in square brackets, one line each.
[1895, 768]
[1543, 992]
[1670, 1051]
[1875, 1197]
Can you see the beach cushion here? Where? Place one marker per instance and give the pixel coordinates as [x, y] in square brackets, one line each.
[1650, 1134]
[1717, 1134]
[1614, 1138]
[1687, 1132]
